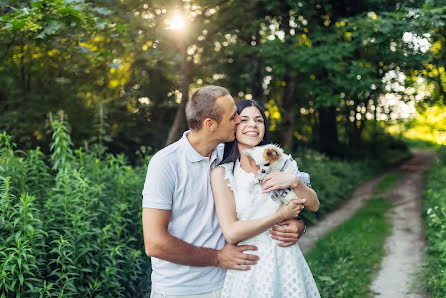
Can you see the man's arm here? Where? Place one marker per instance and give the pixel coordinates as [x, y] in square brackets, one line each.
[161, 244]
[288, 231]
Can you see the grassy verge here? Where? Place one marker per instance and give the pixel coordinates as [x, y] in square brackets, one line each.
[343, 261]
[387, 182]
[435, 214]
[421, 144]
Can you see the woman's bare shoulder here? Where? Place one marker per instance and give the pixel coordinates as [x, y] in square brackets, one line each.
[218, 172]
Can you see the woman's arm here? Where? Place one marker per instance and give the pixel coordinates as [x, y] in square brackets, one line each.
[281, 180]
[236, 230]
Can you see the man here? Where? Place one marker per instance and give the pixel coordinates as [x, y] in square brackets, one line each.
[181, 230]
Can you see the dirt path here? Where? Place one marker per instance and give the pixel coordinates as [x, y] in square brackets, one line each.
[405, 246]
[345, 211]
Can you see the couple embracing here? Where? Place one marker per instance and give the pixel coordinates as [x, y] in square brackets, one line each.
[211, 228]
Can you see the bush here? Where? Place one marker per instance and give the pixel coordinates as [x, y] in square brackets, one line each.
[72, 228]
[435, 215]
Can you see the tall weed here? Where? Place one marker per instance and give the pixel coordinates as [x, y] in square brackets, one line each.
[435, 214]
[71, 229]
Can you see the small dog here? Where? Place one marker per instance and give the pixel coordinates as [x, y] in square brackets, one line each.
[271, 158]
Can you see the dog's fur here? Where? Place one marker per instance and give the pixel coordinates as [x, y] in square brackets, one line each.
[271, 158]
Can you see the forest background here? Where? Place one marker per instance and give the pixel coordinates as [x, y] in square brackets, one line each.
[330, 73]
[89, 90]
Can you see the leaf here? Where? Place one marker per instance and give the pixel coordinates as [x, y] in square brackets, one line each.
[327, 279]
[21, 278]
[83, 49]
[103, 11]
[51, 29]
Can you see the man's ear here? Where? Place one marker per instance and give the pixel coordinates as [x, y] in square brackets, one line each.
[210, 124]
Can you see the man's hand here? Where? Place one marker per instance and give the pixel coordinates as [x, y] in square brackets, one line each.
[288, 232]
[232, 257]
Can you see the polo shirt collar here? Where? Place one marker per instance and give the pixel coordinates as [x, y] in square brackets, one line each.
[192, 154]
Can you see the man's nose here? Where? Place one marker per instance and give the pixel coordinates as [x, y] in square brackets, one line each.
[237, 119]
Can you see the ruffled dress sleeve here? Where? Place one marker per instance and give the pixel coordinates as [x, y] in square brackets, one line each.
[229, 175]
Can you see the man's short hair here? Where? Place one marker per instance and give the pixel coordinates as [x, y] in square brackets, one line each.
[203, 104]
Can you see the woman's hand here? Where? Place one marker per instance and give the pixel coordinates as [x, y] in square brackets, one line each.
[279, 180]
[291, 210]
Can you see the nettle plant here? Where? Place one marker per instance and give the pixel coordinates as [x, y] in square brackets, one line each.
[435, 217]
[70, 222]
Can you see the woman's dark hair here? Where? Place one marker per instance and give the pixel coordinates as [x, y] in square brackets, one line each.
[231, 153]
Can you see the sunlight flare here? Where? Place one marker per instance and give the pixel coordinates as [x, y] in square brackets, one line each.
[176, 22]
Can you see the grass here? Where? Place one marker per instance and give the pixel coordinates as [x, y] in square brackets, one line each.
[421, 144]
[344, 260]
[387, 182]
[435, 216]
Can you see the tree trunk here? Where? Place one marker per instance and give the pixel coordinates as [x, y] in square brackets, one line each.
[179, 124]
[288, 111]
[257, 88]
[328, 132]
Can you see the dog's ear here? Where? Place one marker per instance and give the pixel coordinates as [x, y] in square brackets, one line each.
[271, 155]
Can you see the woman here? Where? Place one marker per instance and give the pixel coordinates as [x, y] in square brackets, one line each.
[246, 212]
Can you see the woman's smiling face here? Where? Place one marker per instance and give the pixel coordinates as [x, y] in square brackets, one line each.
[251, 129]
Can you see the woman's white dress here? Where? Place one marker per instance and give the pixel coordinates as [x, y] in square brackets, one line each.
[280, 271]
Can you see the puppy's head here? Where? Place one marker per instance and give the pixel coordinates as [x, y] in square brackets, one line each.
[271, 154]
[264, 156]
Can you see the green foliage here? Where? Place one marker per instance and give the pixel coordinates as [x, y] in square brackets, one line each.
[79, 55]
[40, 19]
[435, 214]
[74, 229]
[387, 182]
[421, 144]
[62, 153]
[429, 125]
[344, 260]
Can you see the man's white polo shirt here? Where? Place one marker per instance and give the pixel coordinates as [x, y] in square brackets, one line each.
[178, 179]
